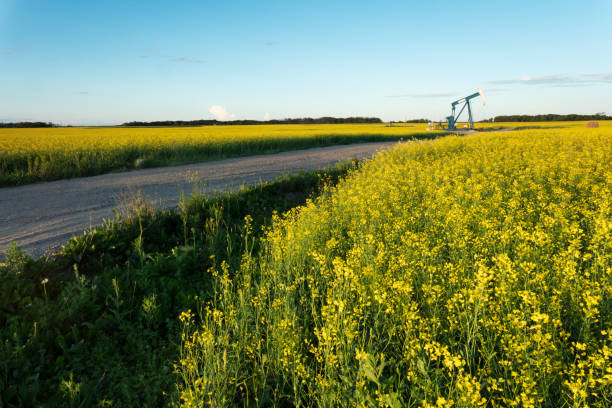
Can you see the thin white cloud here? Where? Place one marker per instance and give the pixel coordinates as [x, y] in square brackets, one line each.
[560, 80]
[12, 51]
[188, 60]
[267, 116]
[220, 113]
[425, 95]
[493, 90]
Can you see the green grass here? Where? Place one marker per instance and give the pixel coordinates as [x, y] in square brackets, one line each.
[103, 328]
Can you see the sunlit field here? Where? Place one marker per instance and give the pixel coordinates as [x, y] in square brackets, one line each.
[466, 271]
[29, 155]
[538, 125]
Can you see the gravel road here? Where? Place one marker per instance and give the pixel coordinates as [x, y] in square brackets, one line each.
[42, 217]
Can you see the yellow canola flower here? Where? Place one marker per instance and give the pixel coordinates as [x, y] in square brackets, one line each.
[472, 270]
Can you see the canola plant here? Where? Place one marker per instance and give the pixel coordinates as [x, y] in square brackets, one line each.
[466, 271]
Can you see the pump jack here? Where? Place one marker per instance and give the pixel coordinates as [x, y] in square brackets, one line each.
[451, 121]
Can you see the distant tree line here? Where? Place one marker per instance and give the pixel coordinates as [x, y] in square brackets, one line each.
[550, 117]
[27, 125]
[411, 121]
[210, 122]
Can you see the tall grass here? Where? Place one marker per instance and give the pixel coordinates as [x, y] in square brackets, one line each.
[98, 325]
[467, 271]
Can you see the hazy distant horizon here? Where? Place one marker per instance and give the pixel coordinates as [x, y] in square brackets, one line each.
[263, 122]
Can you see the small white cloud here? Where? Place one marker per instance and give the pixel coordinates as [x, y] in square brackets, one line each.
[425, 95]
[560, 80]
[220, 113]
[12, 51]
[267, 116]
[188, 60]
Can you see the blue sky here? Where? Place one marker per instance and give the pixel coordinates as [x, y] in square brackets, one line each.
[107, 62]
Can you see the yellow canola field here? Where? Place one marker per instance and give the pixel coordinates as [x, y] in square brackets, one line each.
[78, 139]
[75, 139]
[28, 155]
[540, 125]
[465, 271]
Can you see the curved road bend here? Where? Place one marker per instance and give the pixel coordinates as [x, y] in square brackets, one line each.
[42, 217]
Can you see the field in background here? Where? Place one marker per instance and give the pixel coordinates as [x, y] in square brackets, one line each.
[30, 155]
[538, 125]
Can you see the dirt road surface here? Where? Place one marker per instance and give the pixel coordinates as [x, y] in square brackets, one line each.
[42, 217]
